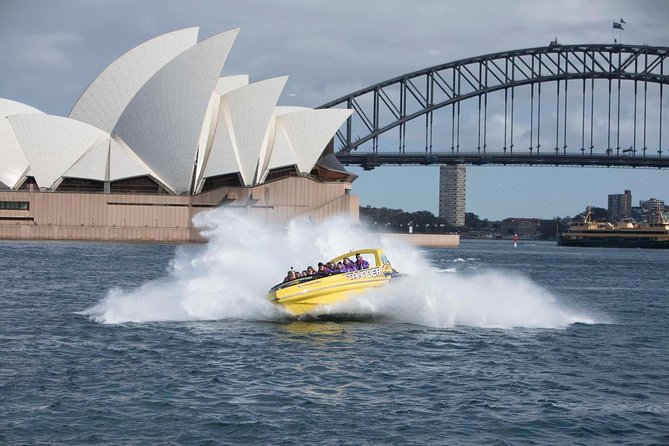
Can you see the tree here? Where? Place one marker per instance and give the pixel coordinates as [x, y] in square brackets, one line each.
[598, 214]
[472, 221]
[396, 220]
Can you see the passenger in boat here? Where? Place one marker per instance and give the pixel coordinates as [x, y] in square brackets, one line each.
[289, 277]
[310, 271]
[323, 269]
[341, 268]
[297, 274]
[304, 273]
[348, 265]
[361, 263]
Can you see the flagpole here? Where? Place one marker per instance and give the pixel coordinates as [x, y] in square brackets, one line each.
[619, 26]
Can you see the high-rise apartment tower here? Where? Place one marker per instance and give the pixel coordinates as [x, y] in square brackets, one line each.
[452, 188]
[620, 206]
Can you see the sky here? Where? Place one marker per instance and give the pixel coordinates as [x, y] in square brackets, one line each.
[52, 50]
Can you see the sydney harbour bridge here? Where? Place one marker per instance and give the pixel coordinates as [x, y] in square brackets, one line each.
[560, 105]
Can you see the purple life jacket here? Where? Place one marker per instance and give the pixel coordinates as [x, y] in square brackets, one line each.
[362, 263]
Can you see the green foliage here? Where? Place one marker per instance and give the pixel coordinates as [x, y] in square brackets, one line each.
[396, 220]
[598, 214]
[424, 222]
[549, 229]
[472, 221]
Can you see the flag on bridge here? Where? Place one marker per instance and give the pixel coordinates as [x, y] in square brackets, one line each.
[617, 25]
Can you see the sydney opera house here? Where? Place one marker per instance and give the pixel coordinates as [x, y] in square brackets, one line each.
[159, 136]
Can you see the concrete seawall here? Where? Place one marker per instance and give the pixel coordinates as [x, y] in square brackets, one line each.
[428, 240]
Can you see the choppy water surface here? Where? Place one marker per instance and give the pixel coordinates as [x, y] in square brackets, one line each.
[485, 344]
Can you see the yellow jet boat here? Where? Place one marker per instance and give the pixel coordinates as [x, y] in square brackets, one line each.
[304, 295]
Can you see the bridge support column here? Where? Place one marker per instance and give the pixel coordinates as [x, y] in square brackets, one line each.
[452, 188]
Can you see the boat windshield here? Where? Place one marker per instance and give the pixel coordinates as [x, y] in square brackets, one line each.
[374, 257]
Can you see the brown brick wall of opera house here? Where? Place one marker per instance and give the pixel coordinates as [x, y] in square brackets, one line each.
[37, 215]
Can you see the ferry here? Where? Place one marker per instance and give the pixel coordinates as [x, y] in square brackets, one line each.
[589, 233]
[304, 295]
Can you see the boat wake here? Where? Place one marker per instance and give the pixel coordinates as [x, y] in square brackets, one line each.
[490, 299]
[228, 278]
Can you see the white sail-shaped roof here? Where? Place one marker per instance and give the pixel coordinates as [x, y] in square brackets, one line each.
[226, 84]
[163, 122]
[108, 160]
[281, 152]
[9, 108]
[245, 113]
[223, 156]
[52, 144]
[109, 94]
[285, 109]
[162, 110]
[207, 135]
[308, 132]
[14, 164]
[124, 163]
[93, 163]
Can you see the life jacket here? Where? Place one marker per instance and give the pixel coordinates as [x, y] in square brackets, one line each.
[362, 263]
[349, 266]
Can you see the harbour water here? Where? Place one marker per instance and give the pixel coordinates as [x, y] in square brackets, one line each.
[484, 344]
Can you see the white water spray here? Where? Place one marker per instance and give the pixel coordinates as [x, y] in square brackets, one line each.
[488, 299]
[230, 276]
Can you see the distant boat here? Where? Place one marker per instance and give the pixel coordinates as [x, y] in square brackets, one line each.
[589, 233]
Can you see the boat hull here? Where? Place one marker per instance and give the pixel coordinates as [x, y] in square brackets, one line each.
[305, 298]
[624, 234]
[304, 295]
[614, 242]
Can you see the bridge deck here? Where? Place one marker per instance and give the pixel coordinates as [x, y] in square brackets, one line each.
[371, 160]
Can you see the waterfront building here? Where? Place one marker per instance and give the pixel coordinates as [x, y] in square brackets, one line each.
[452, 189]
[620, 206]
[526, 228]
[650, 208]
[159, 136]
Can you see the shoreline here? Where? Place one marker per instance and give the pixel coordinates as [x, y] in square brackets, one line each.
[426, 240]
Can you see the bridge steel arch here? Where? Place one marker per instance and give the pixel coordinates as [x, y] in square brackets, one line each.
[391, 104]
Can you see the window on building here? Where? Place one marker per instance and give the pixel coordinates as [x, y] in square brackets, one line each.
[137, 185]
[15, 205]
[228, 180]
[80, 185]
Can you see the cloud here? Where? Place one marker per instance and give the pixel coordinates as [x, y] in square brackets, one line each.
[323, 46]
[49, 50]
[329, 49]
